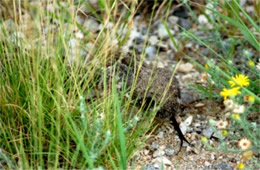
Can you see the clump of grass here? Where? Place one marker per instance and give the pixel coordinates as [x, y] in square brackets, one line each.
[48, 115]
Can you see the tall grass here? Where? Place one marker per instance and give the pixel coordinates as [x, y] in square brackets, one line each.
[48, 115]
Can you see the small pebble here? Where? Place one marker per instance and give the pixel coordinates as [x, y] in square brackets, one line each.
[91, 25]
[160, 65]
[173, 20]
[202, 19]
[150, 52]
[208, 132]
[158, 153]
[160, 134]
[154, 146]
[162, 160]
[185, 68]
[169, 152]
[151, 167]
[153, 40]
[206, 163]
[223, 166]
[163, 33]
[185, 23]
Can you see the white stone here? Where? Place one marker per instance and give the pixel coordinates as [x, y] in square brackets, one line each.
[153, 40]
[202, 19]
[250, 9]
[185, 68]
[134, 33]
[207, 163]
[162, 160]
[158, 153]
[188, 121]
[79, 35]
[173, 20]
[80, 20]
[162, 32]
[160, 65]
[91, 25]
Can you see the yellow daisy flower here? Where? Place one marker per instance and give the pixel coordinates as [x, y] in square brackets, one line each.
[240, 166]
[230, 92]
[240, 80]
[224, 133]
[244, 143]
[236, 116]
[251, 63]
[204, 139]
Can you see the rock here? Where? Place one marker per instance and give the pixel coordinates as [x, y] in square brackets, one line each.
[162, 32]
[242, 2]
[91, 25]
[138, 39]
[186, 98]
[153, 40]
[158, 153]
[189, 45]
[150, 52]
[80, 20]
[185, 68]
[201, 117]
[250, 9]
[160, 65]
[79, 35]
[93, 3]
[160, 134]
[200, 105]
[169, 152]
[206, 163]
[202, 19]
[146, 151]
[151, 166]
[134, 33]
[185, 23]
[162, 160]
[208, 132]
[223, 166]
[154, 146]
[173, 21]
[185, 124]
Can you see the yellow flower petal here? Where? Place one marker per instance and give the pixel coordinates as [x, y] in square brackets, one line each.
[240, 166]
[240, 80]
[230, 92]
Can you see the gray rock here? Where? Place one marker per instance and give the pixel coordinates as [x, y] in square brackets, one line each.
[91, 25]
[138, 40]
[150, 167]
[185, 23]
[160, 134]
[169, 151]
[150, 52]
[153, 40]
[173, 20]
[158, 153]
[154, 146]
[208, 132]
[163, 33]
[223, 166]
[201, 117]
